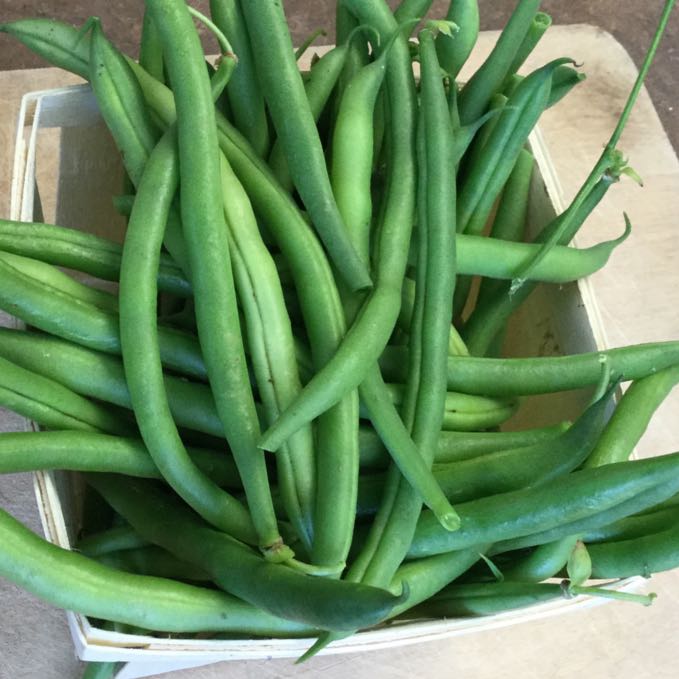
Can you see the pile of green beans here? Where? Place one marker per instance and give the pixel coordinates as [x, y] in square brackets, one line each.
[293, 412]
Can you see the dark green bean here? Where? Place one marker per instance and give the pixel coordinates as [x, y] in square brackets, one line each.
[150, 49]
[643, 555]
[484, 180]
[643, 501]
[284, 93]
[556, 503]
[243, 90]
[487, 80]
[321, 602]
[658, 520]
[538, 27]
[461, 601]
[506, 470]
[75, 582]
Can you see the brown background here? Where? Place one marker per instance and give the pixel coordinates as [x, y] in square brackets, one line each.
[630, 21]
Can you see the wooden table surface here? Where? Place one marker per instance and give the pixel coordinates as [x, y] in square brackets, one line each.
[638, 296]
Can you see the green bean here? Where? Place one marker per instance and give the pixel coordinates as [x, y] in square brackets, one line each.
[557, 503]
[80, 251]
[454, 51]
[44, 307]
[487, 80]
[644, 500]
[152, 560]
[350, 173]
[58, 280]
[77, 583]
[125, 112]
[122, 107]
[150, 49]
[636, 556]
[244, 90]
[53, 405]
[411, 9]
[484, 179]
[427, 576]
[510, 469]
[289, 108]
[369, 334]
[313, 278]
[464, 136]
[658, 520]
[496, 106]
[487, 320]
[608, 168]
[102, 377]
[322, 79]
[510, 218]
[206, 239]
[463, 412]
[141, 356]
[509, 222]
[544, 562]
[321, 602]
[632, 415]
[93, 452]
[57, 42]
[461, 601]
[454, 446]
[272, 348]
[524, 376]
[110, 540]
[494, 258]
[397, 208]
[538, 27]
[564, 80]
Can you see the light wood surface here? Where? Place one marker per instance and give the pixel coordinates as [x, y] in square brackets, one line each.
[638, 295]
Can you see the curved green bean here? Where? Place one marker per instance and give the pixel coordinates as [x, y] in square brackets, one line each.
[77, 583]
